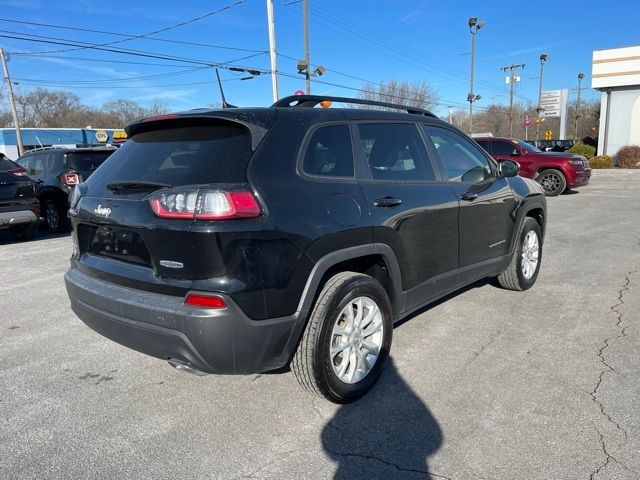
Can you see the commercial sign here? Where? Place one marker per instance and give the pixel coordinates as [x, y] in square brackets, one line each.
[554, 104]
[102, 136]
[119, 136]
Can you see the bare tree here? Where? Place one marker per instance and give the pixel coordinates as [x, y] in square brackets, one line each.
[51, 108]
[415, 94]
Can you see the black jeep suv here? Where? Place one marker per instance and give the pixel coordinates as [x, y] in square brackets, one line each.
[19, 207]
[56, 170]
[245, 240]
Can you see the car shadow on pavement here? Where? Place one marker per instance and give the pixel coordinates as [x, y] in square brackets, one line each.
[388, 433]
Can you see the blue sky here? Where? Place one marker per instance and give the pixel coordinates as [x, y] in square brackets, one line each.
[374, 40]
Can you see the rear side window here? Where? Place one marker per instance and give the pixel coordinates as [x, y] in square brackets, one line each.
[484, 144]
[329, 152]
[180, 156]
[37, 164]
[504, 148]
[395, 152]
[86, 160]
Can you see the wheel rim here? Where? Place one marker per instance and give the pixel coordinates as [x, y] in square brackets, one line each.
[551, 182]
[356, 340]
[52, 216]
[530, 254]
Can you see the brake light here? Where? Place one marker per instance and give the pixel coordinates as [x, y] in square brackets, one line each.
[204, 301]
[204, 204]
[161, 117]
[70, 178]
[18, 171]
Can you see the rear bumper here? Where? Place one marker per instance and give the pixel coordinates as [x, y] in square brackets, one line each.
[212, 341]
[14, 218]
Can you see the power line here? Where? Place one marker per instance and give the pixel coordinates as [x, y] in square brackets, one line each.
[165, 29]
[129, 37]
[109, 80]
[138, 53]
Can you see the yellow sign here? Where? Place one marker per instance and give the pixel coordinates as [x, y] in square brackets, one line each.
[102, 136]
[548, 135]
[119, 136]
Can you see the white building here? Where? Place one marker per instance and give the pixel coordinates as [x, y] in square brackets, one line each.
[616, 73]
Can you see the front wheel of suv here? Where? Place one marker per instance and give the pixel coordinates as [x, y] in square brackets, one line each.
[523, 269]
[347, 339]
[552, 181]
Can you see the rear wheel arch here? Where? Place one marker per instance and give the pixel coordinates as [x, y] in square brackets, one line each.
[376, 260]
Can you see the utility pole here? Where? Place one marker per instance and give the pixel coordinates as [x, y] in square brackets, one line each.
[543, 58]
[450, 114]
[12, 101]
[580, 77]
[272, 50]
[512, 80]
[474, 26]
[305, 20]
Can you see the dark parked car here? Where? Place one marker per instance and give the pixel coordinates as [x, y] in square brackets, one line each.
[56, 171]
[19, 207]
[556, 172]
[245, 240]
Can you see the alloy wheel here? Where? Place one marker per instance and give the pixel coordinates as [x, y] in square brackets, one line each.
[551, 182]
[356, 340]
[530, 254]
[53, 216]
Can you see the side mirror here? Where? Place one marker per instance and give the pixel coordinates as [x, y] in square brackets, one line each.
[508, 168]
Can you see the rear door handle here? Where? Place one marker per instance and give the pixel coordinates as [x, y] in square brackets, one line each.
[387, 202]
[469, 196]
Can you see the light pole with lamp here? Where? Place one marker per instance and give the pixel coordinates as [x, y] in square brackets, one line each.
[580, 77]
[474, 26]
[543, 58]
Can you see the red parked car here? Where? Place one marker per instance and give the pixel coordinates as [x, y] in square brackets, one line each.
[556, 172]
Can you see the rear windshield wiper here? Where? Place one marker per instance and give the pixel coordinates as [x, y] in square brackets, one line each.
[136, 185]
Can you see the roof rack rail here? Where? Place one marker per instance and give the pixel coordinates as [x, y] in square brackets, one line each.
[313, 100]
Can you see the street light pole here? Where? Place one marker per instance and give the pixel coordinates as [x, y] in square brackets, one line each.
[272, 50]
[543, 58]
[580, 77]
[305, 20]
[474, 26]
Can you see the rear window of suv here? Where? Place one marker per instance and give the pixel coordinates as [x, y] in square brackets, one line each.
[87, 160]
[180, 156]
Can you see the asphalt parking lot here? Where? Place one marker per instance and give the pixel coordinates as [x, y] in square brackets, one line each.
[488, 384]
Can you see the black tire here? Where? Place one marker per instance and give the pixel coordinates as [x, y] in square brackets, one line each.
[552, 181]
[513, 278]
[312, 364]
[24, 233]
[55, 214]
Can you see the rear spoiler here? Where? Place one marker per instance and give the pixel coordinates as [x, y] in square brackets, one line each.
[173, 120]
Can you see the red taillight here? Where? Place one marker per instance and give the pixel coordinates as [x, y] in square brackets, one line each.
[204, 301]
[204, 204]
[70, 178]
[161, 117]
[19, 171]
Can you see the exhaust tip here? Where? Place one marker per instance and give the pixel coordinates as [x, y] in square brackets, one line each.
[185, 367]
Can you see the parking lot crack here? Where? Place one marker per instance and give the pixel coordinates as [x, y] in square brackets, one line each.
[608, 459]
[608, 368]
